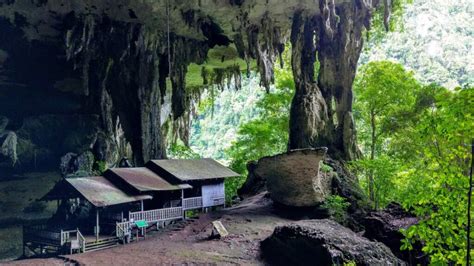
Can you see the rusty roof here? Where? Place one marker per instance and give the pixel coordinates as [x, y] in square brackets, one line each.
[143, 179]
[194, 169]
[101, 192]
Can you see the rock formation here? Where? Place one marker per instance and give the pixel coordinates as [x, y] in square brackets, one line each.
[323, 242]
[310, 184]
[298, 170]
[121, 69]
[384, 226]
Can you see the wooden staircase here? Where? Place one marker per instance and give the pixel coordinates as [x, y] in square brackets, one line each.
[101, 244]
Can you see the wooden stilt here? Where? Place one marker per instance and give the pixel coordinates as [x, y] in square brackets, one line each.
[182, 204]
[97, 224]
[141, 203]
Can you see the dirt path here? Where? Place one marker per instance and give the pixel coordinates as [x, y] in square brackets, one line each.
[248, 224]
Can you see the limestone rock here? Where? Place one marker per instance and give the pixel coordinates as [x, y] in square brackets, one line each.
[384, 226]
[323, 242]
[293, 178]
[73, 164]
[8, 146]
[3, 123]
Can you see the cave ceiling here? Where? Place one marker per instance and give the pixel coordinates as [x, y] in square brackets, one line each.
[128, 69]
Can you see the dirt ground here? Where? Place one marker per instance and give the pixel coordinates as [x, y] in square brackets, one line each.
[187, 243]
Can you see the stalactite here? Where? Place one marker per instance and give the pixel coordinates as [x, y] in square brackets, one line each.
[222, 78]
[337, 36]
[308, 114]
[133, 94]
[265, 43]
[329, 16]
[183, 52]
[103, 43]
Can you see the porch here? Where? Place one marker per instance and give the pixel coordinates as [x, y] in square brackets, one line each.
[44, 239]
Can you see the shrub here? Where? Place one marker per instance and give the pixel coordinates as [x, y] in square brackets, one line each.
[337, 207]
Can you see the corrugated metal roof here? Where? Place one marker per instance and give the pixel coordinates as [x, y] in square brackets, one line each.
[143, 179]
[195, 169]
[101, 192]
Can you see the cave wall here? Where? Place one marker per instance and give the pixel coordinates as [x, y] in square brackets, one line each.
[98, 76]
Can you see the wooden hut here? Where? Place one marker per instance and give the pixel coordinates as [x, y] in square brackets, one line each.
[124, 200]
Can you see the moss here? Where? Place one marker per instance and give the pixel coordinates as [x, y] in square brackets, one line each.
[218, 58]
[99, 166]
[325, 168]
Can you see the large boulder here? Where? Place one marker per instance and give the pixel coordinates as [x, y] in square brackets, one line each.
[385, 225]
[323, 242]
[293, 178]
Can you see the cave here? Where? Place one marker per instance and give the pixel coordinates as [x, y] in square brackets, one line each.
[112, 79]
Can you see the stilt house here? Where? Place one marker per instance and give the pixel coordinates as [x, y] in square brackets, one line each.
[124, 203]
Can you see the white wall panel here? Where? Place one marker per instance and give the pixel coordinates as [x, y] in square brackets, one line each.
[212, 195]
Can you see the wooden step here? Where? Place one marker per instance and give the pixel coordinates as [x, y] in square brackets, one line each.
[114, 238]
[99, 246]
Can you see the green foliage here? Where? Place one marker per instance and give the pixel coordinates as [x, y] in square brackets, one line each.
[436, 42]
[384, 169]
[417, 145]
[350, 263]
[99, 166]
[337, 207]
[215, 56]
[435, 185]
[267, 134]
[378, 31]
[232, 184]
[385, 93]
[180, 151]
[220, 113]
[325, 168]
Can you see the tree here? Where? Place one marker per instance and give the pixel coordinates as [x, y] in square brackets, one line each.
[384, 93]
[267, 134]
[435, 185]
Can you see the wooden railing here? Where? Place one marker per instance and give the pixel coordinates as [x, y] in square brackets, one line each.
[66, 236]
[82, 241]
[157, 215]
[192, 203]
[122, 229]
[40, 233]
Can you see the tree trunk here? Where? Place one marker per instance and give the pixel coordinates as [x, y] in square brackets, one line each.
[372, 157]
